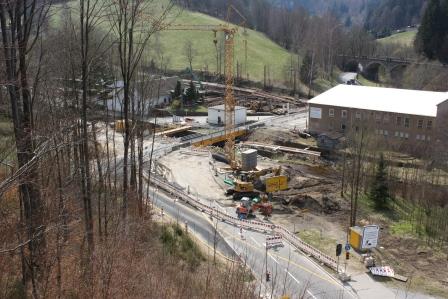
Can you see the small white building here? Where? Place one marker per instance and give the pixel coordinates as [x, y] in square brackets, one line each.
[216, 115]
[158, 93]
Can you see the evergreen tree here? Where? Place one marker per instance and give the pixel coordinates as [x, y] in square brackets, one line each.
[178, 90]
[191, 94]
[379, 192]
[308, 71]
[432, 36]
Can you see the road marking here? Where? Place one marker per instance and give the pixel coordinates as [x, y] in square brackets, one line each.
[292, 276]
[256, 241]
[318, 275]
[274, 259]
[311, 294]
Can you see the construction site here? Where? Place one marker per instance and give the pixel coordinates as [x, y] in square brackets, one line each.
[248, 154]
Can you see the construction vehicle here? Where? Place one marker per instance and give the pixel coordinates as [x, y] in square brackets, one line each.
[242, 189]
[248, 207]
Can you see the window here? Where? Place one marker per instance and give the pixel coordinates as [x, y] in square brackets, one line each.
[407, 122]
[417, 137]
[331, 126]
[429, 125]
[331, 112]
[406, 136]
[358, 115]
[344, 113]
[378, 117]
[397, 134]
[380, 132]
[429, 138]
[398, 121]
[386, 117]
[420, 124]
[401, 134]
[423, 137]
[386, 133]
[343, 127]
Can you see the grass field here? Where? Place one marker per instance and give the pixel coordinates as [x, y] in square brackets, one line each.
[403, 38]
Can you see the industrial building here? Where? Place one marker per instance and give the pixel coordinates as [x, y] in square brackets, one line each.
[216, 115]
[399, 117]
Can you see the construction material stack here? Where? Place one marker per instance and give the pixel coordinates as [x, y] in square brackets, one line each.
[249, 160]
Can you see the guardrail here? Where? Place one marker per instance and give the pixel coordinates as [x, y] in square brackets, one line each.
[254, 225]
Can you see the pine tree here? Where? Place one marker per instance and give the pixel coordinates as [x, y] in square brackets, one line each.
[308, 71]
[178, 90]
[191, 94]
[432, 36]
[379, 192]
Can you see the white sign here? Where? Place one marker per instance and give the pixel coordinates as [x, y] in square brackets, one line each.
[383, 271]
[315, 112]
[370, 236]
[274, 241]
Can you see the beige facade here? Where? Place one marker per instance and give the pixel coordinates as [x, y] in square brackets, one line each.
[401, 131]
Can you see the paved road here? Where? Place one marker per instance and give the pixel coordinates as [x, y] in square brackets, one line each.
[196, 221]
[292, 273]
[345, 77]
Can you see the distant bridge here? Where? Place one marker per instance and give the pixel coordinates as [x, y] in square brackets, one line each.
[367, 64]
[390, 64]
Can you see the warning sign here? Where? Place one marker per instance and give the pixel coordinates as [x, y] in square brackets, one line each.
[383, 271]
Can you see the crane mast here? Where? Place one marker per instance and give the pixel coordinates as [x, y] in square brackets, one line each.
[229, 99]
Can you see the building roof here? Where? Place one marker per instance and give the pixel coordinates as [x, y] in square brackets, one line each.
[221, 107]
[405, 101]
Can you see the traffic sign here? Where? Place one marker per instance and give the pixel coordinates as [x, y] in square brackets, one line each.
[347, 247]
[383, 271]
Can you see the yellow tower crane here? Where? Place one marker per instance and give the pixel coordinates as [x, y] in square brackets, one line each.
[229, 31]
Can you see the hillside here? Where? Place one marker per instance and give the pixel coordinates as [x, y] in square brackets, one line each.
[402, 38]
[260, 49]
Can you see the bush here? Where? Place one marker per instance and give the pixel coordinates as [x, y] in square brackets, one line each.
[177, 242]
[176, 104]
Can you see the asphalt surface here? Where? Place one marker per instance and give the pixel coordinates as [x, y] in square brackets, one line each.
[195, 220]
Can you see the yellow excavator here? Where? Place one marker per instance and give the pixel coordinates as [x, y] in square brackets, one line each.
[244, 187]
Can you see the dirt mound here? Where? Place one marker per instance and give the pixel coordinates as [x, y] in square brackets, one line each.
[321, 204]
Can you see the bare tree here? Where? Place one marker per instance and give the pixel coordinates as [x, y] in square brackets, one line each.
[190, 53]
[134, 22]
[20, 26]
